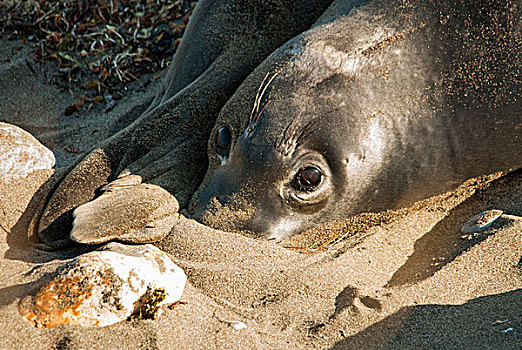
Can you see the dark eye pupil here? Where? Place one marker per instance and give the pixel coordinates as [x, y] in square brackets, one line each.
[309, 178]
[223, 139]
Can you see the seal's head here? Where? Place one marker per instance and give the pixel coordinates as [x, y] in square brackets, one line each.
[283, 162]
[275, 176]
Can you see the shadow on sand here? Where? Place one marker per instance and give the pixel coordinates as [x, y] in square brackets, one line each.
[444, 242]
[489, 322]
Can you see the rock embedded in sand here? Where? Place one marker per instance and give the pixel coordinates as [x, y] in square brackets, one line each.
[21, 153]
[481, 221]
[106, 286]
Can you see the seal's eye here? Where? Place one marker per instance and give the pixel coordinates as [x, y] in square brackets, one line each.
[308, 178]
[223, 140]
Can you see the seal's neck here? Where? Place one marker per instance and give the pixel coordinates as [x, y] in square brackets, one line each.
[487, 141]
[438, 155]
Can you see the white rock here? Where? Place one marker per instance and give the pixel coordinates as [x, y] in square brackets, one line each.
[238, 325]
[106, 286]
[21, 153]
[481, 221]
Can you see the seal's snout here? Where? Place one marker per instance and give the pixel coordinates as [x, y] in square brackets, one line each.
[201, 207]
[231, 202]
[228, 213]
[216, 194]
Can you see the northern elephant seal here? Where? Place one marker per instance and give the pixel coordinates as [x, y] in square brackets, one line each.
[379, 107]
[375, 104]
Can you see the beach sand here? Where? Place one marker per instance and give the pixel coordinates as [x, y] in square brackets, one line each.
[405, 279]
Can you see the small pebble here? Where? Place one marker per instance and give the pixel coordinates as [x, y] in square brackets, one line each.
[238, 325]
[481, 221]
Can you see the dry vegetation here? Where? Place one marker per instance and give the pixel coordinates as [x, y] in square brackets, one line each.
[97, 46]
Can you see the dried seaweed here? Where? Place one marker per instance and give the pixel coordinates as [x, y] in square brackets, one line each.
[149, 304]
[98, 46]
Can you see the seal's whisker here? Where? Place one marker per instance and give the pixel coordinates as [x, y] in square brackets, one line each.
[262, 95]
[292, 139]
[288, 137]
[307, 131]
[266, 87]
[256, 112]
[256, 119]
[257, 99]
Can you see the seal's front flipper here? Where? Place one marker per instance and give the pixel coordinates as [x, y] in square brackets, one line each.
[135, 213]
[76, 185]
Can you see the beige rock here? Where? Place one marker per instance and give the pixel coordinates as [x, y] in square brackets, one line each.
[106, 286]
[21, 153]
